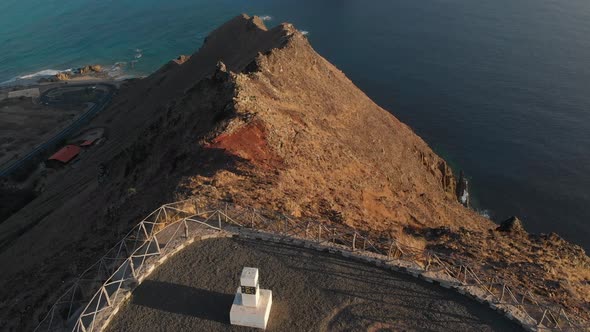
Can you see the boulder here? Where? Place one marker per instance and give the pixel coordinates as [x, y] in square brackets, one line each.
[63, 76]
[511, 225]
[83, 70]
[89, 69]
[181, 59]
[96, 68]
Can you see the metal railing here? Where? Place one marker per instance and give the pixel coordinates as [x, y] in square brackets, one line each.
[89, 302]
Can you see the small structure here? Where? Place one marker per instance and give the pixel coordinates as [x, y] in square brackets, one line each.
[251, 305]
[66, 154]
[88, 142]
[88, 137]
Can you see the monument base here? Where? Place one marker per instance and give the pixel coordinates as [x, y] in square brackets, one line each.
[251, 316]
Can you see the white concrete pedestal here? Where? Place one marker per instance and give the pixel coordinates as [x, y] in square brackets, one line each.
[251, 316]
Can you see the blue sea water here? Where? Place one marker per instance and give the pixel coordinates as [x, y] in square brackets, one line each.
[500, 88]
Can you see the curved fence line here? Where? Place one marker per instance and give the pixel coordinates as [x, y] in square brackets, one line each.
[90, 302]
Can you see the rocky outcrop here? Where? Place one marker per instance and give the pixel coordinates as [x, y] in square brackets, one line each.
[547, 265]
[63, 76]
[89, 69]
[181, 59]
[512, 225]
[439, 168]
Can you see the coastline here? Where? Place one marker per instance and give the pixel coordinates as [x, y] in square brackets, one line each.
[108, 73]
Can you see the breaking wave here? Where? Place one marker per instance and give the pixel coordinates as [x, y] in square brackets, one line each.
[484, 213]
[44, 73]
[266, 18]
[29, 78]
[117, 69]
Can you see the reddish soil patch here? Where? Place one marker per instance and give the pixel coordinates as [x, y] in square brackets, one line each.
[249, 142]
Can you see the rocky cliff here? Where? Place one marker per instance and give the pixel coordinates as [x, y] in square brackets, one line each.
[258, 118]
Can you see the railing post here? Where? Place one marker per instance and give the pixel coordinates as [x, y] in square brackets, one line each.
[219, 219]
[543, 317]
[284, 224]
[185, 229]
[106, 296]
[71, 301]
[320, 233]
[52, 311]
[390, 248]
[165, 215]
[354, 242]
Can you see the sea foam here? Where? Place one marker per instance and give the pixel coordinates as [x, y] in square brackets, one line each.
[30, 78]
[44, 73]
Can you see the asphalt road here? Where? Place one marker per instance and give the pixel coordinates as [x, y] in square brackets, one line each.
[312, 291]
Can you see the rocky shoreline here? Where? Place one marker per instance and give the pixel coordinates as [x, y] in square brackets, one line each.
[88, 71]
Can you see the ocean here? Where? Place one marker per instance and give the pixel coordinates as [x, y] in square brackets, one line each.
[501, 89]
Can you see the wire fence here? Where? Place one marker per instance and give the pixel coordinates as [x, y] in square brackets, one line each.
[89, 302]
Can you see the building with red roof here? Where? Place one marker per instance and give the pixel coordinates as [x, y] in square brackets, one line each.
[66, 154]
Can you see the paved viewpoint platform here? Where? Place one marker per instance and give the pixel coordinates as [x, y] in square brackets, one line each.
[312, 291]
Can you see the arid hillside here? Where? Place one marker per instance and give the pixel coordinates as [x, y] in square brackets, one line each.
[256, 117]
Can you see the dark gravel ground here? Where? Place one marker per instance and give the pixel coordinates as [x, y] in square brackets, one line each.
[312, 291]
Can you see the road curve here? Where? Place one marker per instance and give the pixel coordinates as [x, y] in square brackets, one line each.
[312, 291]
[77, 124]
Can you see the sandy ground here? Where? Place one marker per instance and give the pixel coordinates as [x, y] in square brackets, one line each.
[311, 292]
